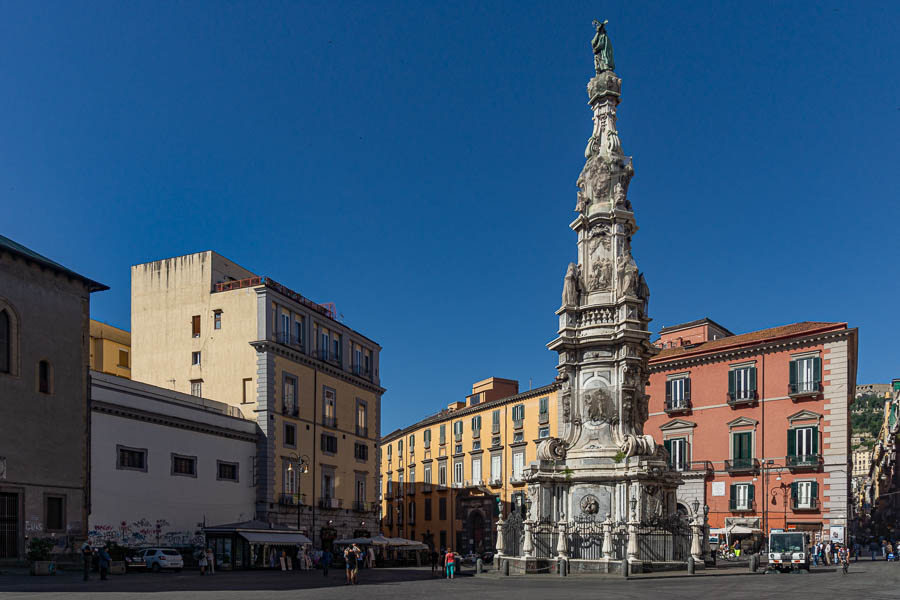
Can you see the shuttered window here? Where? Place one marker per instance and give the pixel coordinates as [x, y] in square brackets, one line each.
[195, 326]
[805, 375]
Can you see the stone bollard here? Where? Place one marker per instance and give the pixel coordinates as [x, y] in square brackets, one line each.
[479, 566]
[754, 562]
[690, 565]
[562, 567]
[625, 568]
[506, 567]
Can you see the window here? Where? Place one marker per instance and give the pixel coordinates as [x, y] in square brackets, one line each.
[412, 479]
[476, 445]
[544, 432]
[217, 319]
[197, 387]
[362, 418]
[518, 414]
[678, 393]
[248, 390]
[329, 443]
[458, 473]
[495, 441]
[804, 494]
[336, 348]
[495, 421]
[44, 377]
[329, 407]
[457, 429]
[741, 496]
[390, 483]
[134, 459]
[457, 449]
[195, 358]
[285, 334]
[389, 452]
[427, 509]
[518, 436]
[412, 513]
[805, 375]
[496, 463]
[427, 438]
[476, 471]
[360, 489]
[184, 465]
[442, 474]
[327, 484]
[360, 451]
[742, 449]
[475, 399]
[442, 512]
[518, 465]
[290, 435]
[5, 343]
[677, 449]
[803, 446]
[400, 483]
[400, 447]
[544, 409]
[427, 474]
[412, 443]
[289, 395]
[443, 435]
[55, 513]
[742, 383]
[123, 359]
[195, 326]
[476, 425]
[298, 331]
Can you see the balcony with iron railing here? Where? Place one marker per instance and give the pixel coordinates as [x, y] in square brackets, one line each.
[330, 357]
[329, 421]
[362, 431]
[676, 406]
[742, 397]
[290, 499]
[741, 505]
[803, 389]
[285, 338]
[804, 462]
[742, 465]
[361, 370]
[800, 504]
[362, 506]
[327, 502]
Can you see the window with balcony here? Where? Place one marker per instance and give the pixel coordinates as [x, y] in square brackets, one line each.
[426, 477]
[289, 395]
[518, 465]
[289, 478]
[742, 385]
[741, 452]
[476, 470]
[518, 415]
[329, 407]
[329, 443]
[678, 454]
[805, 376]
[458, 473]
[362, 418]
[544, 409]
[442, 475]
[803, 447]
[804, 495]
[678, 394]
[496, 464]
[741, 498]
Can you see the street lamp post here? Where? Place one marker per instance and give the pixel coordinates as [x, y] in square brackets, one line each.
[302, 467]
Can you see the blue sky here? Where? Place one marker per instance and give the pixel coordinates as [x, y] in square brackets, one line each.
[415, 163]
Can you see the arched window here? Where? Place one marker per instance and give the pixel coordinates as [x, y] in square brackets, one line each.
[5, 342]
[44, 377]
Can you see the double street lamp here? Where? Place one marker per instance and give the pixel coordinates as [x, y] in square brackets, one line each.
[302, 467]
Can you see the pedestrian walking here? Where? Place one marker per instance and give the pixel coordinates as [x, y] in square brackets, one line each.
[450, 561]
[202, 562]
[211, 562]
[434, 560]
[351, 565]
[87, 556]
[370, 555]
[360, 557]
[326, 561]
[105, 559]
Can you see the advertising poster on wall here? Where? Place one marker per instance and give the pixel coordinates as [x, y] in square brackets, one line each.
[837, 534]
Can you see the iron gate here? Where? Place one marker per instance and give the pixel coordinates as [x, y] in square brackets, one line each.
[585, 538]
[9, 525]
[513, 534]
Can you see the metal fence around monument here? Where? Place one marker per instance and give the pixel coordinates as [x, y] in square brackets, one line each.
[664, 542]
[513, 534]
[546, 536]
[585, 538]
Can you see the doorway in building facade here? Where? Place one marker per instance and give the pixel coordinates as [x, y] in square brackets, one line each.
[476, 532]
[9, 526]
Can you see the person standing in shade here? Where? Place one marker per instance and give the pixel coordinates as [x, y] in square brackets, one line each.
[105, 559]
[211, 559]
[350, 564]
[202, 562]
[434, 560]
[326, 561]
[87, 555]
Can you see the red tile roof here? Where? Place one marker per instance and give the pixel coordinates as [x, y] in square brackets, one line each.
[745, 339]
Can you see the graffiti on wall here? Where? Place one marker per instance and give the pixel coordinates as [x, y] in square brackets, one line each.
[143, 532]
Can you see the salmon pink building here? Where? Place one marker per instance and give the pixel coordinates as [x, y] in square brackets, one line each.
[758, 423]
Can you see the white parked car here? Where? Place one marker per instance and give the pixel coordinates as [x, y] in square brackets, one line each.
[157, 559]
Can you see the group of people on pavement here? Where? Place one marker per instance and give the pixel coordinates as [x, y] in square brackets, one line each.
[88, 553]
[828, 553]
[886, 548]
[448, 561]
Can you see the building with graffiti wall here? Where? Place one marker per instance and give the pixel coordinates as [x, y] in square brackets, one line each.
[165, 463]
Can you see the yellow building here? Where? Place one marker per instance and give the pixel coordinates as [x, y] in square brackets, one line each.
[110, 349]
[445, 478]
[203, 325]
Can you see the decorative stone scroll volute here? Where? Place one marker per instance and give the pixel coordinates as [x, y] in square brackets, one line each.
[603, 340]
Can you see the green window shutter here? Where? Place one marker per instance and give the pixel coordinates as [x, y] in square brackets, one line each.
[815, 440]
[817, 370]
[733, 491]
[815, 489]
[687, 390]
[793, 490]
[752, 379]
[731, 375]
[794, 367]
[668, 392]
[736, 446]
[668, 446]
[792, 442]
[750, 493]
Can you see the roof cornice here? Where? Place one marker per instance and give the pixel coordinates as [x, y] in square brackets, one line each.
[117, 410]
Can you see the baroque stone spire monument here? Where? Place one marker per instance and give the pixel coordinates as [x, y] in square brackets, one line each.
[602, 465]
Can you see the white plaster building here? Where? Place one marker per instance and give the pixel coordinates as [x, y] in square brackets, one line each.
[163, 463]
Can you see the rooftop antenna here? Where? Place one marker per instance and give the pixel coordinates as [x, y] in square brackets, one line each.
[529, 384]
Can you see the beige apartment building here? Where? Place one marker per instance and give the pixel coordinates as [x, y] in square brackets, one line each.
[110, 349]
[446, 479]
[203, 325]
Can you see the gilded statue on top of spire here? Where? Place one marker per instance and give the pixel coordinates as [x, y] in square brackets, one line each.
[603, 52]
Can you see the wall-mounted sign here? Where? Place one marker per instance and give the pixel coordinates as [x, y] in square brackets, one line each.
[718, 488]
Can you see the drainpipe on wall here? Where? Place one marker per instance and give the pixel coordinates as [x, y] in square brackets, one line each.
[312, 529]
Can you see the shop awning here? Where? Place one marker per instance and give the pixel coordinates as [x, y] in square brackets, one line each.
[275, 537]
